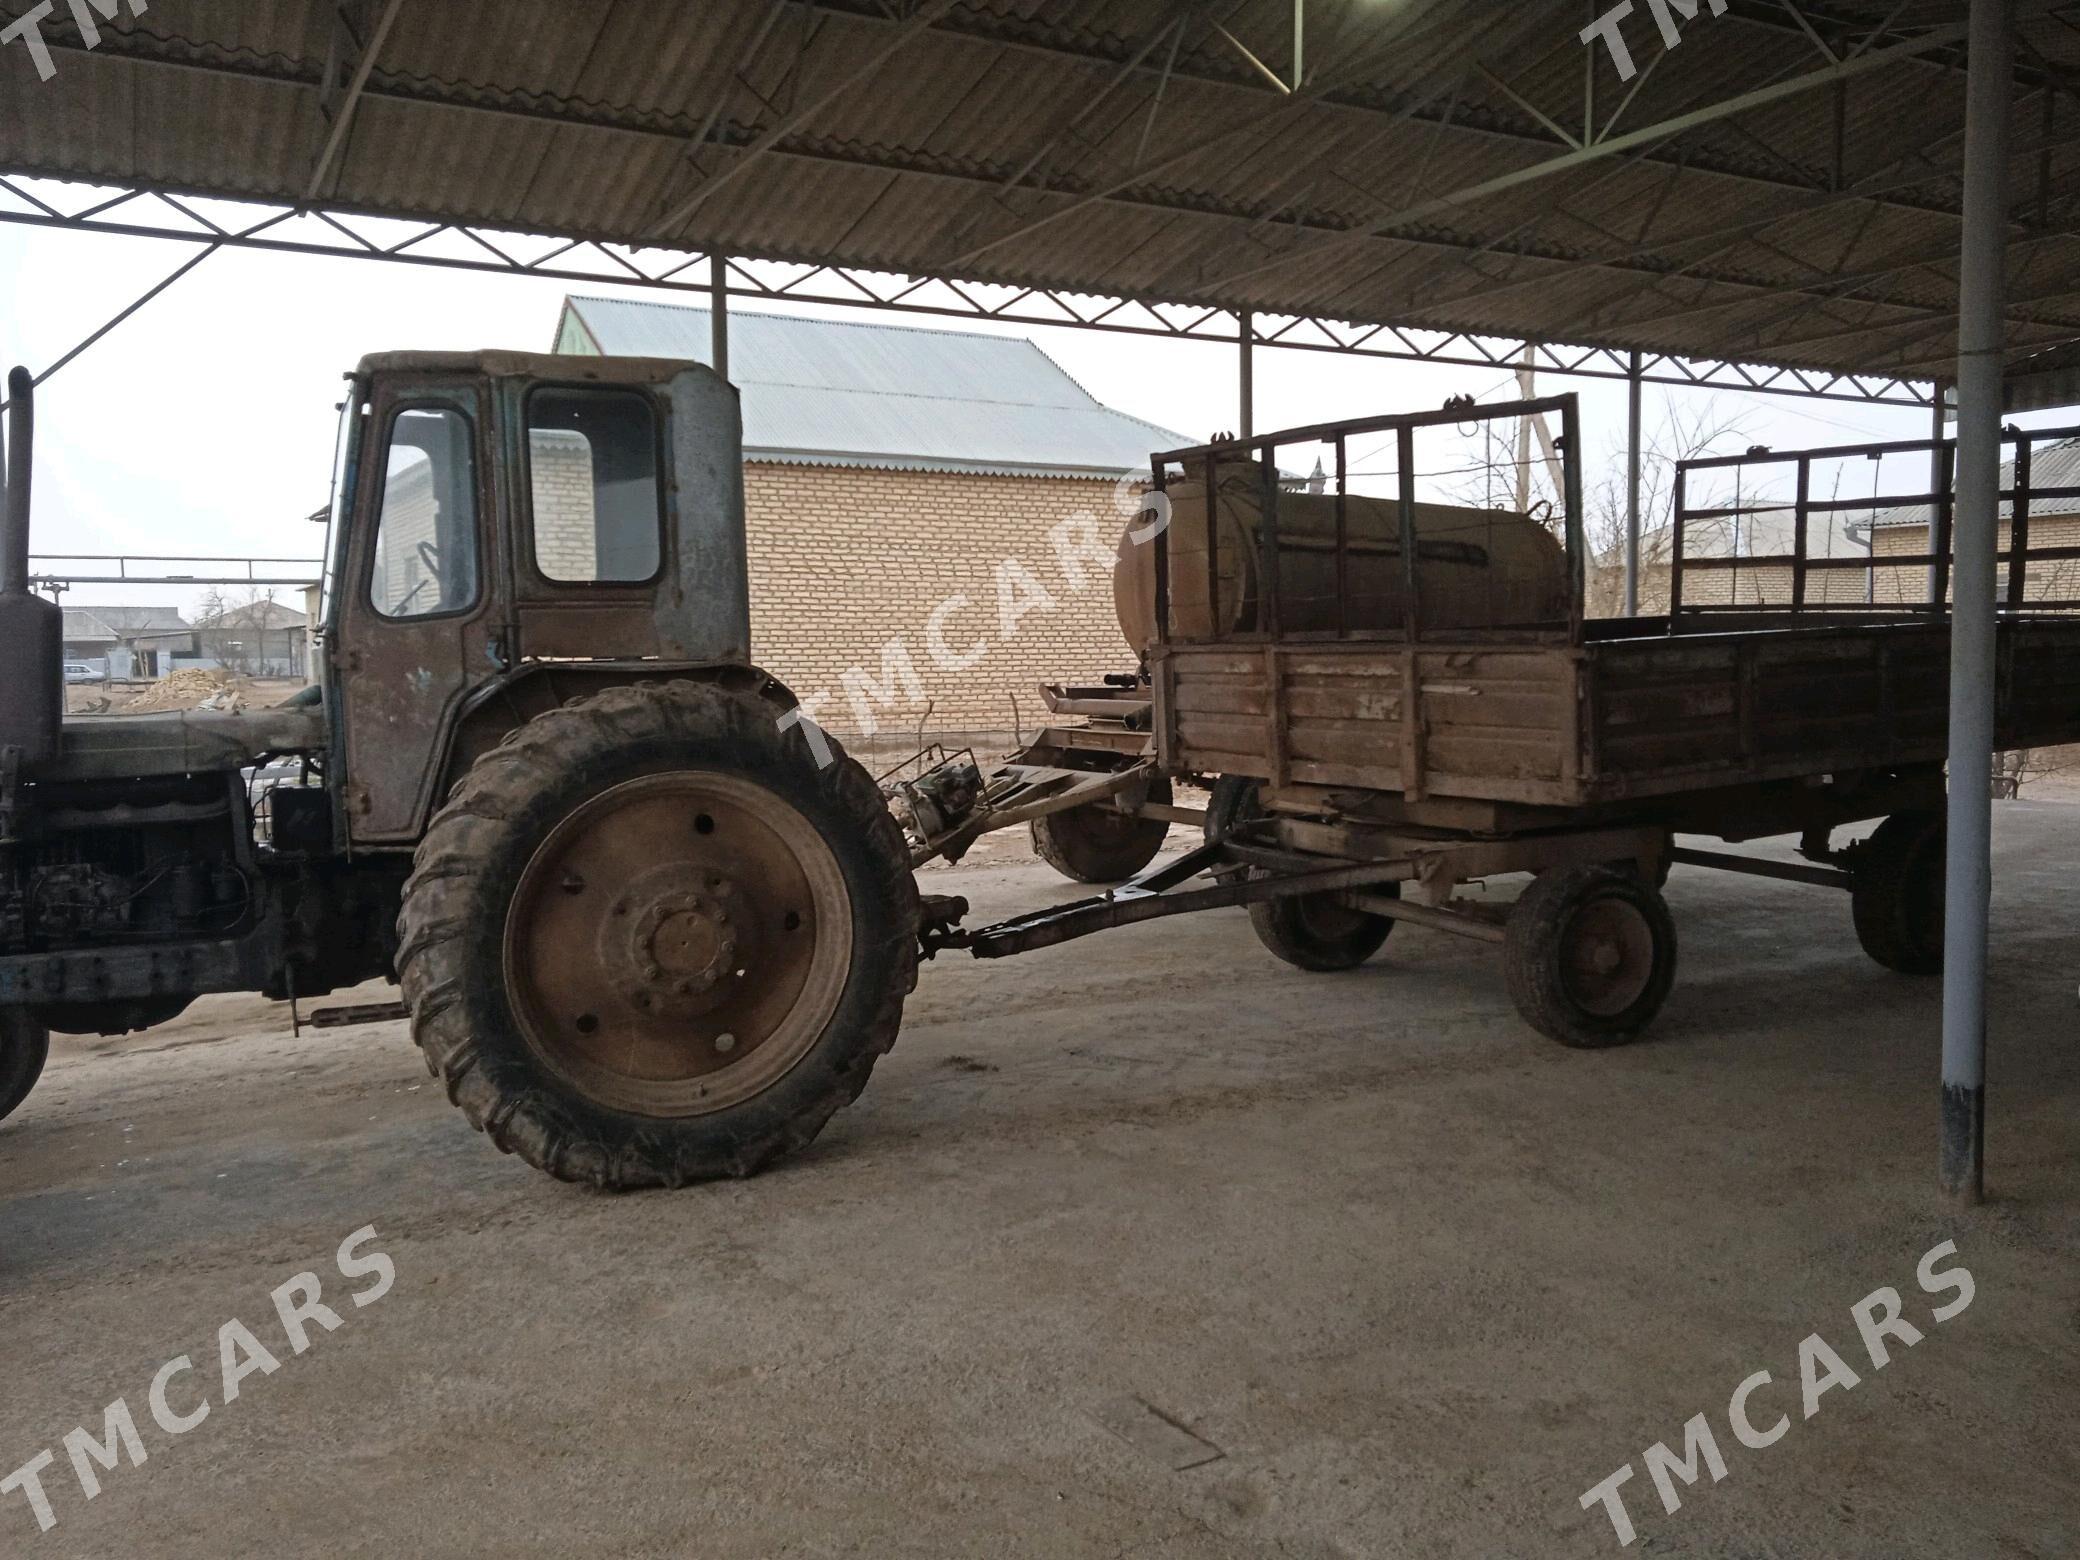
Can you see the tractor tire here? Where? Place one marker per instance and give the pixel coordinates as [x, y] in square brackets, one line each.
[1096, 843]
[1896, 892]
[649, 940]
[1589, 955]
[25, 1045]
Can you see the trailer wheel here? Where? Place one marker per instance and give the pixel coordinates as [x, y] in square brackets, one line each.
[1099, 844]
[1231, 800]
[1589, 955]
[25, 1045]
[1896, 892]
[649, 940]
[1316, 932]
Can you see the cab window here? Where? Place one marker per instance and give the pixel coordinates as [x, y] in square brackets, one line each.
[426, 538]
[592, 466]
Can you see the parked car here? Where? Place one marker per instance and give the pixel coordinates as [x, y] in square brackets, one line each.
[86, 672]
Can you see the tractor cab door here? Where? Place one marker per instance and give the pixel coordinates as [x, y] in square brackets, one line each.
[418, 614]
[631, 544]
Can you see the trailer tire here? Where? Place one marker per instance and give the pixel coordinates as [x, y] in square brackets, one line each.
[1231, 800]
[1099, 844]
[1589, 955]
[25, 1045]
[663, 864]
[1896, 892]
[1315, 932]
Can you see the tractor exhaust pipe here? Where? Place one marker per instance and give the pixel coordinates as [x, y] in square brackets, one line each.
[14, 529]
[32, 630]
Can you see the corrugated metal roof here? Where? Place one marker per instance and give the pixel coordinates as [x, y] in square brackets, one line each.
[890, 396]
[2050, 466]
[1126, 148]
[113, 623]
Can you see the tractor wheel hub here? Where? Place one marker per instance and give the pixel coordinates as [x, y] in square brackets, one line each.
[675, 938]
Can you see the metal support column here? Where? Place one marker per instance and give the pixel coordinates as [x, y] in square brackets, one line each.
[1938, 481]
[1981, 298]
[1632, 435]
[1247, 324]
[718, 312]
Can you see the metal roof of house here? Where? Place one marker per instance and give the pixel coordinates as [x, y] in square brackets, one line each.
[819, 392]
[1782, 187]
[263, 614]
[109, 625]
[2050, 466]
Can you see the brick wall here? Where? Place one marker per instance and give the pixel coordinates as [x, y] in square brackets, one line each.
[2048, 579]
[1885, 585]
[565, 541]
[966, 574]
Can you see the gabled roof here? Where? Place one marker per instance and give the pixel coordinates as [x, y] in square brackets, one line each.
[109, 624]
[820, 392]
[2050, 466]
[264, 615]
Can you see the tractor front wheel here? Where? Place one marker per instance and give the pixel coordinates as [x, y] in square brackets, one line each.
[650, 939]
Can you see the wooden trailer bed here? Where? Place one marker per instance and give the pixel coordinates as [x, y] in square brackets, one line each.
[1632, 711]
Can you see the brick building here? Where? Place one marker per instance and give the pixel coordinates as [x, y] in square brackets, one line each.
[931, 514]
[1894, 531]
[2053, 522]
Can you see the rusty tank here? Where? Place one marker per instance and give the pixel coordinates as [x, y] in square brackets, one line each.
[1475, 567]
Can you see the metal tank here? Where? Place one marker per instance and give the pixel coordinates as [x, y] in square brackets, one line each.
[1476, 568]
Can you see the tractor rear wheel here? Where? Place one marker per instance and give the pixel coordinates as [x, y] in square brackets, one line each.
[1096, 843]
[25, 1045]
[650, 939]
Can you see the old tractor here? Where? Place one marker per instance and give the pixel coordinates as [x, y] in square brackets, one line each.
[649, 927]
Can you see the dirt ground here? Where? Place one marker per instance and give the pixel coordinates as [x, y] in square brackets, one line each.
[1145, 1246]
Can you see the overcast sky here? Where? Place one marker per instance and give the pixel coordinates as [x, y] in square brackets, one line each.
[205, 423]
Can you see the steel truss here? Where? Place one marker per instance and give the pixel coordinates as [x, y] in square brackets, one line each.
[328, 231]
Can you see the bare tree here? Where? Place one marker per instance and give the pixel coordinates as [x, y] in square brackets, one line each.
[231, 629]
[2027, 766]
[1682, 435]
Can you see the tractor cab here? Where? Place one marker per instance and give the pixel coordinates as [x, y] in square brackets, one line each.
[500, 517]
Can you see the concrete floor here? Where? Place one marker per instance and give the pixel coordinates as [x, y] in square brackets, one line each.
[1391, 1275]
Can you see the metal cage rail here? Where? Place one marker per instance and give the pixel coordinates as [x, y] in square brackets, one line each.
[1783, 581]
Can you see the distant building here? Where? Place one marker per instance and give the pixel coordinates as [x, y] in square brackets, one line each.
[2053, 522]
[918, 501]
[254, 639]
[127, 642]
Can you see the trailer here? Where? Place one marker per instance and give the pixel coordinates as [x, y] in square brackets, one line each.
[1395, 713]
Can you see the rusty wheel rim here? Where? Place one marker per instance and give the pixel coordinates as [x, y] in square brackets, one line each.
[1607, 956]
[678, 943]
